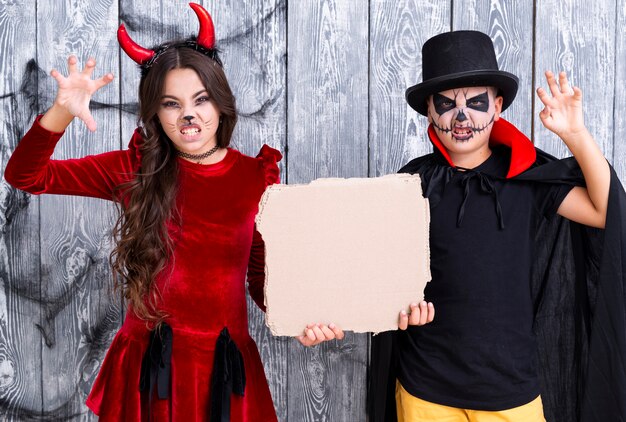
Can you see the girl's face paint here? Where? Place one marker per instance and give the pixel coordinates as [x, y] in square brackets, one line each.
[188, 116]
[463, 117]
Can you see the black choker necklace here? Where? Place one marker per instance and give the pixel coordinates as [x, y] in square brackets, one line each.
[198, 157]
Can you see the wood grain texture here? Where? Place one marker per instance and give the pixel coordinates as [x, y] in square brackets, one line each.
[398, 30]
[619, 94]
[327, 131]
[578, 37]
[509, 26]
[20, 310]
[253, 39]
[80, 314]
[328, 83]
[335, 108]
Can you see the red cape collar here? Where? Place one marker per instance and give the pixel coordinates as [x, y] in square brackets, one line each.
[523, 153]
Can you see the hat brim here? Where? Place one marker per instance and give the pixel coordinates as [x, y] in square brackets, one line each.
[506, 83]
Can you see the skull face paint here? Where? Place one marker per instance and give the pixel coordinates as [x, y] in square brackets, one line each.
[463, 117]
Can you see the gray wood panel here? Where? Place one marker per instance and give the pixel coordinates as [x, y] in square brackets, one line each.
[507, 24]
[327, 81]
[20, 309]
[252, 35]
[619, 94]
[578, 37]
[398, 30]
[74, 231]
[327, 125]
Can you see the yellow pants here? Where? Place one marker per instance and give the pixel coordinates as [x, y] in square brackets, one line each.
[412, 409]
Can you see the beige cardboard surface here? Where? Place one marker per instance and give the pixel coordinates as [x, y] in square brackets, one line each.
[353, 252]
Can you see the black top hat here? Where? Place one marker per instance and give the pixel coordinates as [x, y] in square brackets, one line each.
[459, 59]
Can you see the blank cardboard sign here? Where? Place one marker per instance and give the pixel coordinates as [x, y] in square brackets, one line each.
[353, 252]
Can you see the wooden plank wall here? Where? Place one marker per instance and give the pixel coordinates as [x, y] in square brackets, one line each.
[327, 109]
[20, 309]
[74, 231]
[321, 80]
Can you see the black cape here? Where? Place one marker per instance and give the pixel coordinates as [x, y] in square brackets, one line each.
[579, 292]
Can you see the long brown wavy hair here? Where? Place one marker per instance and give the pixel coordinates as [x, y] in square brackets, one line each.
[143, 246]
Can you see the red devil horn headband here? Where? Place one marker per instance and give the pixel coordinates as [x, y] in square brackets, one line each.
[135, 51]
[141, 55]
[206, 34]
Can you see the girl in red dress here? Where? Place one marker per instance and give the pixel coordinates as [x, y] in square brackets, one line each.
[185, 237]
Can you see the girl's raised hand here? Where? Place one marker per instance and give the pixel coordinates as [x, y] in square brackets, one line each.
[75, 90]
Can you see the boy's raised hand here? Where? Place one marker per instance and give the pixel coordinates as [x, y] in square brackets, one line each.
[562, 112]
[420, 315]
[76, 89]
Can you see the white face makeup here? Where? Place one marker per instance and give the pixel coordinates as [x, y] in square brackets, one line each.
[463, 117]
[187, 115]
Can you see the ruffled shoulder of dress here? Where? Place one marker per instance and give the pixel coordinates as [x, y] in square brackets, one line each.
[269, 157]
[134, 147]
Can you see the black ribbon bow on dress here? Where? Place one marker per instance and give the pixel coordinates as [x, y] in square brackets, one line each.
[156, 364]
[228, 376]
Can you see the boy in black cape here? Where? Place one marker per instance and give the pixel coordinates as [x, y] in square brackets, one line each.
[510, 276]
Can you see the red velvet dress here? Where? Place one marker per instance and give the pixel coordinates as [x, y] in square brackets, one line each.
[202, 293]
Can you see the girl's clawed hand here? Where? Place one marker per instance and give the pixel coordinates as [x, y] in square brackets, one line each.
[75, 90]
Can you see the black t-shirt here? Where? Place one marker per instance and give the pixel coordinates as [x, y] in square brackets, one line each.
[479, 352]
